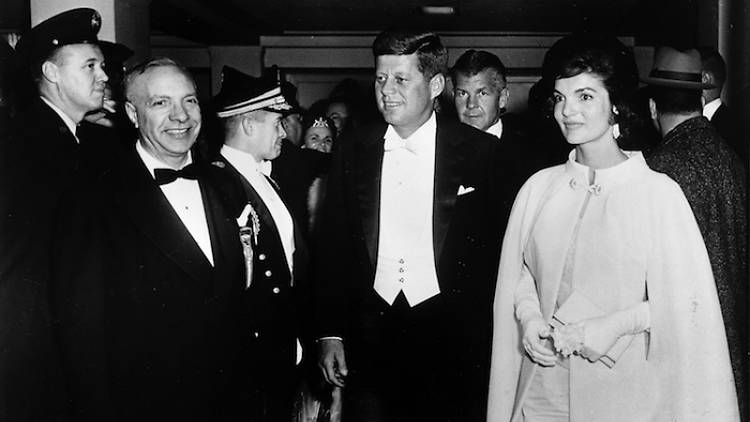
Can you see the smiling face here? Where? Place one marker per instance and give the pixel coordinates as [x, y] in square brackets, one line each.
[478, 99]
[78, 74]
[583, 109]
[163, 105]
[319, 139]
[404, 96]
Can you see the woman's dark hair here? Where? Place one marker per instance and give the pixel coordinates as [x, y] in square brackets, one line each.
[607, 58]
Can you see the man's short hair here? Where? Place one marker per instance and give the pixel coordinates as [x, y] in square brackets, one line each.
[473, 62]
[141, 68]
[431, 54]
[714, 64]
[675, 100]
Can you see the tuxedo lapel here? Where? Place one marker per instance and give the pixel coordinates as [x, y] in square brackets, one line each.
[224, 234]
[139, 195]
[448, 161]
[367, 167]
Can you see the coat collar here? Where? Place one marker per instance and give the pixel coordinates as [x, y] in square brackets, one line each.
[689, 125]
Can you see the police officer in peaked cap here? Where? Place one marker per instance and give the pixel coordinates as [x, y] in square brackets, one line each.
[37, 163]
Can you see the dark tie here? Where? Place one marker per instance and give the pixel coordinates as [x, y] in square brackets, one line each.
[165, 176]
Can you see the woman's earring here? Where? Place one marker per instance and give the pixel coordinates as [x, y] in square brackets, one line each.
[616, 130]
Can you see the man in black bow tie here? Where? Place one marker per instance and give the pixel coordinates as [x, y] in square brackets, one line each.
[149, 277]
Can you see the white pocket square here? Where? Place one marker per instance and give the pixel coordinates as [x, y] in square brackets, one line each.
[464, 190]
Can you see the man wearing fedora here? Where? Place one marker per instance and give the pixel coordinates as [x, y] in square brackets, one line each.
[251, 110]
[714, 181]
[38, 162]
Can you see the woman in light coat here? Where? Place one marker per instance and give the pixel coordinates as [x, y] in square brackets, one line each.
[605, 308]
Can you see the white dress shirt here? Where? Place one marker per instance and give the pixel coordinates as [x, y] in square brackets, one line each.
[406, 256]
[710, 109]
[254, 172]
[185, 197]
[496, 129]
[72, 126]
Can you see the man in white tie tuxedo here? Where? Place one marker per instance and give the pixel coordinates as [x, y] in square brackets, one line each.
[149, 275]
[412, 226]
[251, 111]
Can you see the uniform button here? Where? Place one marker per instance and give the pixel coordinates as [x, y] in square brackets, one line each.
[268, 273]
[276, 290]
[401, 279]
[401, 261]
[256, 334]
[262, 257]
[400, 270]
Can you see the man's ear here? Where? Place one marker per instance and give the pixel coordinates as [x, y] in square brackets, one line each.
[707, 77]
[437, 84]
[247, 125]
[502, 101]
[132, 113]
[50, 71]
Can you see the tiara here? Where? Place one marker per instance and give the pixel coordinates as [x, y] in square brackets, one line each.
[320, 122]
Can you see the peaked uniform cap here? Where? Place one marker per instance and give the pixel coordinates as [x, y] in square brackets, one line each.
[241, 93]
[676, 69]
[75, 26]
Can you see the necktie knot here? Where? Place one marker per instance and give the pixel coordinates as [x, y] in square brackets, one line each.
[166, 176]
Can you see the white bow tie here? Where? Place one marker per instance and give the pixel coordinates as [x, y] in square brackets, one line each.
[265, 167]
[391, 144]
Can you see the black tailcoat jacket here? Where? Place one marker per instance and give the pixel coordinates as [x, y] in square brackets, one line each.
[467, 234]
[149, 328]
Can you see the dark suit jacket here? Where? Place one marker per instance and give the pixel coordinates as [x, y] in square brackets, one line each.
[467, 233]
[149, 328]
[726, 124]
[295, 170]
[38, 158]
[273, 301]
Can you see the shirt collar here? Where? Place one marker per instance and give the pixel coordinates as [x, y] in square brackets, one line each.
[244, 162]
[152, 162]
[65, 118]
[496, 129]
[710, 109]
[422, 140]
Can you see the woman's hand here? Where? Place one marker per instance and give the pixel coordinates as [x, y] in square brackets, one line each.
[599, 335]
[535, 332]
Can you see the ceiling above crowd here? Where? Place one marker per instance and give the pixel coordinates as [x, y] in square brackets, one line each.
[243, 21]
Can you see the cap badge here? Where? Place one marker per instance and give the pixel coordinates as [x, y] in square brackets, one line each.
[96, 20]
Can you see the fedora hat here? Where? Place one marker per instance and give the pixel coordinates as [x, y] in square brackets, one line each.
[676, 69]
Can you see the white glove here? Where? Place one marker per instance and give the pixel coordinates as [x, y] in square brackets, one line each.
[601, 333]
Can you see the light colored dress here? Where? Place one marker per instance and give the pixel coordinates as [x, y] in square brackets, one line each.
[628, 236]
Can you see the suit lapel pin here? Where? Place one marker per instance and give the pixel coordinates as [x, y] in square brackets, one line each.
[219, 164]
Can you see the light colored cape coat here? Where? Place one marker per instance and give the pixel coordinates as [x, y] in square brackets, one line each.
[637, 238]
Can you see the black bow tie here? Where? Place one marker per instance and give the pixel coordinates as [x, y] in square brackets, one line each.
[165, 176]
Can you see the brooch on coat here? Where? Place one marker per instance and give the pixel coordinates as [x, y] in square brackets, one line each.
[249, 224]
